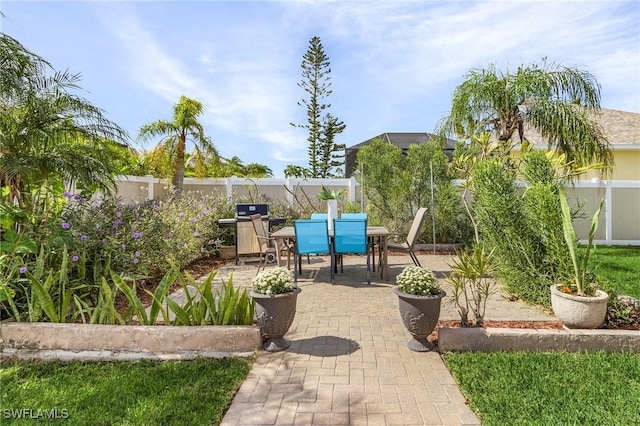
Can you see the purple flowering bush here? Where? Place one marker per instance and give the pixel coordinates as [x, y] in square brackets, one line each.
[139, 238]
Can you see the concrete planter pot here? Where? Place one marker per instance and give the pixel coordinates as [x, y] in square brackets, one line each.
[420, 316]
[274, 315]
[579, 311]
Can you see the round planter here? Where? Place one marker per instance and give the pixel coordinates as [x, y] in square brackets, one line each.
[420, 316]
[274, 314]
[579, 311]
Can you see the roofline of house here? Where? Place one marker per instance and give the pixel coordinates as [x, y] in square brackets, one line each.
[614, 147]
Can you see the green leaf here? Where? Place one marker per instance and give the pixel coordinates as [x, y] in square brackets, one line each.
[43, 299]
[570, 238]
[182, 318]
[160, 294]
[134, 301]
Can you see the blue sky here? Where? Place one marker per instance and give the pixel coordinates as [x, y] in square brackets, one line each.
[394, 64]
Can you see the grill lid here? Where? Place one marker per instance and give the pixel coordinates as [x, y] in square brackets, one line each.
[246, 210]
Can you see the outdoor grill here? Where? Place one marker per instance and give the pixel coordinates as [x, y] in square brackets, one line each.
[246, 241]
[246, 210]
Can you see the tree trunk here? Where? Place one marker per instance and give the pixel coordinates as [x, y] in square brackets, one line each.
[178, 177]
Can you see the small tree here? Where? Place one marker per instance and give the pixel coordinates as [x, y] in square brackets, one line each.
[183, 126]
[396, 186]
[48, 133]
[554, 100]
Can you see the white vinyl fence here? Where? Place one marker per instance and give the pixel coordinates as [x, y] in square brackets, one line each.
[619, 220]
[142, 188]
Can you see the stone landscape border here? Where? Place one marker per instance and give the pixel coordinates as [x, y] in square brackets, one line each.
[53, 341]
[532, 340]
[88, 342]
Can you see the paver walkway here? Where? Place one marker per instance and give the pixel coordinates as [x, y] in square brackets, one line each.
[348, 362]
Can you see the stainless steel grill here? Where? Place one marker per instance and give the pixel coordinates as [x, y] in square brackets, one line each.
[246, 240]
[246, 210]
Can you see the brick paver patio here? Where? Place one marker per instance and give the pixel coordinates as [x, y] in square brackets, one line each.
[348, 362]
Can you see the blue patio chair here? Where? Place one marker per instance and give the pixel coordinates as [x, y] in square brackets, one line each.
[353, 216]
[315, 216]
[372, 243]
[312, 237]
[350, 237]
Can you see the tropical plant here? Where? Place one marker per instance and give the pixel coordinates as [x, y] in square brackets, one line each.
[273, 281]
[322, 129]
[47, 133]
[472, 282]
[293, 171]
[559, 102]
[583, 282]
[228, 306]
[329, 194]
[418, 281]
[184, 126]
[41, 292]
[224, 306]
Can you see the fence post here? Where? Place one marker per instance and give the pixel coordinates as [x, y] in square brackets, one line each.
[352, 189]
[229, 188]
[608, 213]
[150, 187]
[290, 192]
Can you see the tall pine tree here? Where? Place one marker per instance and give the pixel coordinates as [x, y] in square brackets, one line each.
[323, 151]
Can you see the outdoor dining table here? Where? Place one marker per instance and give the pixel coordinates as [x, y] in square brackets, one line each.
[379, 232]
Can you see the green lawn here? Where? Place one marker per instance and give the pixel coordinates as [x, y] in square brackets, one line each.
[507, 388]
[121, 393]
[619, 268]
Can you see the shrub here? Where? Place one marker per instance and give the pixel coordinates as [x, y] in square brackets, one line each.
[396, 186]
[273, 281]
[518, 247]
[417, 281]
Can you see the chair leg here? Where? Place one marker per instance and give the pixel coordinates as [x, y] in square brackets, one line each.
[333, 265]
[295, 269]
[415, 259]
[277, 247]
[368, 270]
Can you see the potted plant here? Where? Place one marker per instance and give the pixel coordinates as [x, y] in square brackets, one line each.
[331, 197]
[419, 297]
[275, 297]
[576, 301]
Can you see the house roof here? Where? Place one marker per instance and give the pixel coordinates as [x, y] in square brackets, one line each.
[400, 139]
[620, 127]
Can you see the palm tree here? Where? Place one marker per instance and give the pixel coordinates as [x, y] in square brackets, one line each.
[48, 134]
[257, 170]
[175, 133]
[559, 102]
[233, 167]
